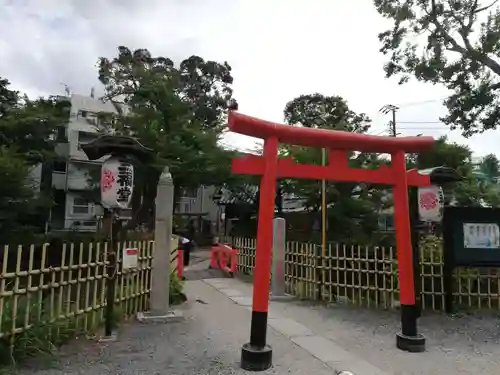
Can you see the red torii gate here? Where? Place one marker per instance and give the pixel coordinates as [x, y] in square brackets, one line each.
[257, 355]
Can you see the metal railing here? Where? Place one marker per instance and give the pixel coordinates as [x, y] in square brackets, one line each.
[367, 275]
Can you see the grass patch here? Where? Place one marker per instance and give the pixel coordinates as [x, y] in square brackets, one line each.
[44, 336]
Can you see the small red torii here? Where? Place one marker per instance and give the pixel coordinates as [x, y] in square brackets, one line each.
[257, 355]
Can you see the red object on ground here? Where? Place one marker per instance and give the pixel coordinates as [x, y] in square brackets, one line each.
[338, 143]
[180, 263]
[220, 254]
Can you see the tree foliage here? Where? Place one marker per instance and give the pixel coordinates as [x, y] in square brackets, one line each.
[352, 207]
[179, 112]
[489, 168]
[138, 79]
[472, 190]
[450, 42]
[328, 112]
[28, 134]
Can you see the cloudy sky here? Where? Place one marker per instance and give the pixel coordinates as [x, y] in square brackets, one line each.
[278, 50]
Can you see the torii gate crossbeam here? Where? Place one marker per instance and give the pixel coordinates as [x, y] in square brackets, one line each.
[257, 355]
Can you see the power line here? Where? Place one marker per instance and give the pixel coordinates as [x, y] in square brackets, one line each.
[421, 129]
[410, 104]
[421, 122]
[377, 132]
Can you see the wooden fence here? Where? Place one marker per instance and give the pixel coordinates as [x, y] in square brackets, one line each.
[367, 275]
[63, 289]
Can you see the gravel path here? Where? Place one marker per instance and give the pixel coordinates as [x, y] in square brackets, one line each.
[460, 345]
[207, 342]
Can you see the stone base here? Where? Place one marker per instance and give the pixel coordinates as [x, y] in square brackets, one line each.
[256, 359]
[283, 298]
[411, 344]
[150, 317]
[112, 338]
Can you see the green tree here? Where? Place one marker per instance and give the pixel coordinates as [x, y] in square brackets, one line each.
[450, 42]
[179, 112]
[352, 207]
[489, 167]
[468, 192]
[28, 135]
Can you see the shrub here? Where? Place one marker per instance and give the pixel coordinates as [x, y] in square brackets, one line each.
[176, 295]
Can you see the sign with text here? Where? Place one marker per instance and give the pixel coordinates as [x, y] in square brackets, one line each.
[481, 235]
[130, 258]
[471, 236]
[117, 183]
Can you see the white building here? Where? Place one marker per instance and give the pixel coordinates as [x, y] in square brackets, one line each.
[71, 177]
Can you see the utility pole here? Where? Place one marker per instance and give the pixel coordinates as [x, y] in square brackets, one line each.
[390, 108]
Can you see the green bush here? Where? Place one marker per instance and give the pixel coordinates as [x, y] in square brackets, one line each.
[176, 295]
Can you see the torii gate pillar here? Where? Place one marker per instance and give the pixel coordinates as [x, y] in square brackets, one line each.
[257, 355]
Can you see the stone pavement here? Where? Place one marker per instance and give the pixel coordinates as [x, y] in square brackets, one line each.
[468, 344]
[328, 352]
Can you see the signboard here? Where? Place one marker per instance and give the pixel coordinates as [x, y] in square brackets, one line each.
[130, 258]
[430, 204]
[481, 236]
[471, 236]
[117, 183]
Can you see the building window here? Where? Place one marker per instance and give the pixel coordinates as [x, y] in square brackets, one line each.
[81, 206]
[60, 166]
[187, 207]
[190, 193]
[82, 114]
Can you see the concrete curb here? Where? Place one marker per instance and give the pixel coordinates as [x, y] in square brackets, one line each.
[328, 352]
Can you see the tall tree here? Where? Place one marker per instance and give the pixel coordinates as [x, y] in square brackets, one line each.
[137, 78]
[28, 135]
[179, 112]
[352, 207]
[489, 167]
[450, 42]
[468, 192]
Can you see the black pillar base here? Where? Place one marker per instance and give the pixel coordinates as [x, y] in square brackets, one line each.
[412, 344]
[256, 359]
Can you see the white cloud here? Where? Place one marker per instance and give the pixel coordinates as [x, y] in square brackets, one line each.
[278, 51]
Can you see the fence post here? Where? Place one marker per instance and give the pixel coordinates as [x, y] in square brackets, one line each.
[278, 265]
[161, 264]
